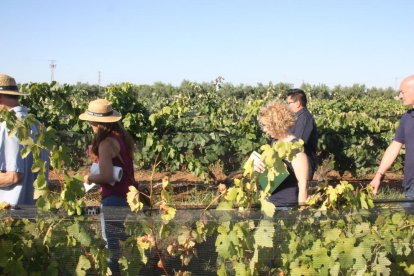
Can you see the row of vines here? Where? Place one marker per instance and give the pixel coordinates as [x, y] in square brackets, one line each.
[339, 231]
[195, 125]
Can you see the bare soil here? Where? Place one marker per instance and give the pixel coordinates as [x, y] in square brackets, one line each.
[185, 183]
[182, 177]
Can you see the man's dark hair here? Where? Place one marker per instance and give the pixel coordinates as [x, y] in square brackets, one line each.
[14, 97]
[298, 95]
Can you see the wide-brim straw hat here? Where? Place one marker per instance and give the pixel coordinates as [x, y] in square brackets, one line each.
[8, 86]
[100, 111]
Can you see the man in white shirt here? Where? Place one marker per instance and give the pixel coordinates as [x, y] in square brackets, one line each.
[16, 176]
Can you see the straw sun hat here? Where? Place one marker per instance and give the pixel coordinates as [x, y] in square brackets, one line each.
[8, 86]
[101, 111]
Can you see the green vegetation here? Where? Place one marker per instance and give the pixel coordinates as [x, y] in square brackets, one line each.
[390, 193]
[191, 127]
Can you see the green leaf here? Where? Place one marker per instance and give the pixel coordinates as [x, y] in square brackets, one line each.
[39, 193]
[82, 266]
[40, 182]
[342, 251]
[381, 267]
[334, 270]
[222, 270]
[15, 267]
[362, 229]
[232, 193]
[79, 233]
[332, 234]
[223, 246]
[242, 269]
[397, 218]
[168, 213]
[27, 142]
[26, 151]
[225, 205]
[149, 142]
[267, 207]
[38, 165]
[264, 234]
[321, 259]
[133, 199]
[43, 204]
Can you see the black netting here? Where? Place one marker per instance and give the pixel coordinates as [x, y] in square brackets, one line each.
[203, 242]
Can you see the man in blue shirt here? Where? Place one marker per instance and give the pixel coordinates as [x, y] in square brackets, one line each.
[305, 126]
[403, 136]
[16, 176]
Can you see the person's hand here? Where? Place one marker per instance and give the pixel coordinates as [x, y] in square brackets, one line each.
[86, 179]
[222, 188]
[258, 164]
[375, 183]
[91, 155]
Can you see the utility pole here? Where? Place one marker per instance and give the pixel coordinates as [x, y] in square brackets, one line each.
[99, 82]
[52, 69]
[395, 84]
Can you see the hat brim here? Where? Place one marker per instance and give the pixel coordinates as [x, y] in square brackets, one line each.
[114, 117]
[11, 92]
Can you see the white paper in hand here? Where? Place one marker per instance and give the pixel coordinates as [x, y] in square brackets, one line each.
[255, 156]
[117, 172]
[88, 187]
[257, 163]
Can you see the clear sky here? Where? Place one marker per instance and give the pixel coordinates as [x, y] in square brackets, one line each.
[315, 41]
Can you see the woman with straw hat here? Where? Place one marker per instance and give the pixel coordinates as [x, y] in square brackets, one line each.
[112, 146]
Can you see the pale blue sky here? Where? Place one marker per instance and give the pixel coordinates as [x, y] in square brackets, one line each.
[316, 41]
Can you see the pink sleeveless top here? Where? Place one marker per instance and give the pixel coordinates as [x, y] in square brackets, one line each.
[121, 188]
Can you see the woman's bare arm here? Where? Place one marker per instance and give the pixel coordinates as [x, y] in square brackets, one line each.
[108, 149]
[300, 166]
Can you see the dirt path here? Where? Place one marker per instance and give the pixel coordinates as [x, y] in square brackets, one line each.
[146, 176]
[185, 183]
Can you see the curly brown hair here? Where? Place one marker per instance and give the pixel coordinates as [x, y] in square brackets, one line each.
[276, 119]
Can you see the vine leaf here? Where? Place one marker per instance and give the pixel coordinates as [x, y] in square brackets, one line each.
[334, 270]
[267, 207]
[332, 235]
[133, 199]
[79, 233]
[82, 266]
[242, 269]
[224, 205]
[381, 266]
[222, 270]
[223, 246]
[264, 233]
[167, 212]
[232, 193]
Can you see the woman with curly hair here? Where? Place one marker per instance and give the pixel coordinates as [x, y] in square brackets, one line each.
[276, 120]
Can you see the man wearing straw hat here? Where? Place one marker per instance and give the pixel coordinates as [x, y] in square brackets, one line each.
[16, 176]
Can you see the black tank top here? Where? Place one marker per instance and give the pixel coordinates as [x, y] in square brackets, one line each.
[287, 192]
